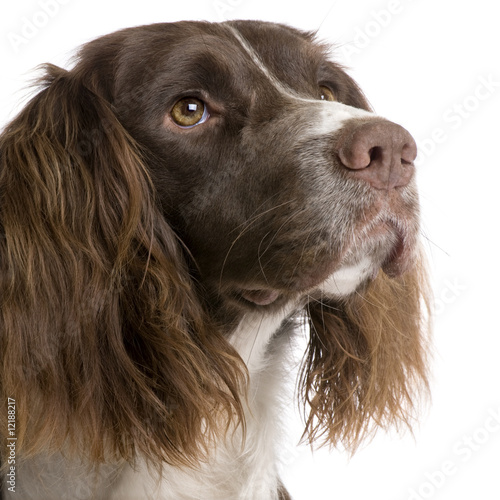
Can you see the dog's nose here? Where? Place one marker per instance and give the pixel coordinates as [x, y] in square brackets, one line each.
[379, 152]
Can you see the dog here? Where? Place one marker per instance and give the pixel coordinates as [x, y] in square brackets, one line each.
[174, 209]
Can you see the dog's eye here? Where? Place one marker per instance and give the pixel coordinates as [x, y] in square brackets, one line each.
[326, 94]
[189, 112]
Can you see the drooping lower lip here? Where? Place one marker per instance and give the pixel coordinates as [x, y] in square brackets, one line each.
[389, 244]
[400, 259]
[401, 256]
[260, 297]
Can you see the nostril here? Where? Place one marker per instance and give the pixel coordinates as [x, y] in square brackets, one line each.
[355, 156]
[409, 152]
[376, 154]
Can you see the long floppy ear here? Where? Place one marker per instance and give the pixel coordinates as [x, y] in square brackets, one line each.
[105, 346]
[367, 360]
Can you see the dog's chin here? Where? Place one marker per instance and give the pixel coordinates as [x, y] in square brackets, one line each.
[387, 249]
[341, 283]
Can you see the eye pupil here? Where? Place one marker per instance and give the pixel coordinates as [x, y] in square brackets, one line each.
[326, 94]
[188, 112]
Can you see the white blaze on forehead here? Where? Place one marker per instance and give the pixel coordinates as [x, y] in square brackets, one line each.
[333, 115]
[330, 115]
[260, 64]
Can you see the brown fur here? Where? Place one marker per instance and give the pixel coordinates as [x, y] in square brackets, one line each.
[113, 338]
[367, 360]
[105, 345]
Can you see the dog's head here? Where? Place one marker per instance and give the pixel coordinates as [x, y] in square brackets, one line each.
[180, 176]
[263, 157]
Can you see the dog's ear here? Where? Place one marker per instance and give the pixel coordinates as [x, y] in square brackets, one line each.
[367, 360]
[104, 342]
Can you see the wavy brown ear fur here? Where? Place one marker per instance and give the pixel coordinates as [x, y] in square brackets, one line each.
[367, 360]
[104, 344]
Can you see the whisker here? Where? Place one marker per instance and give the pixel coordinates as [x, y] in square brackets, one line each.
[253, 218]
[247, 225]
[290, 218]
[434, 244]
[261, 254]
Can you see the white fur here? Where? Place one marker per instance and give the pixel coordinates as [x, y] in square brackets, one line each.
[258, 62]
[333, 115]
[347, 279]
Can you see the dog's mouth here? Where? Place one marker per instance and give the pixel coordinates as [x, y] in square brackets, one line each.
[386, 245]
[389, 244]
[397, 261]
[400, 256]
[260, 296]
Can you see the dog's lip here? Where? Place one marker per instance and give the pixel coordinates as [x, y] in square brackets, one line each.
[401, 255]
[260, 296]
[399, 259]
[397, 240]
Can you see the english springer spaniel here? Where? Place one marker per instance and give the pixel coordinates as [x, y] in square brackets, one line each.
[173, 209]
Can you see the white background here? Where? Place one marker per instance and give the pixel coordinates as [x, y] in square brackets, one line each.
[433, 66]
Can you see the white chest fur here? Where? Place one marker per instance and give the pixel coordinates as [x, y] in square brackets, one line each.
[239, 469]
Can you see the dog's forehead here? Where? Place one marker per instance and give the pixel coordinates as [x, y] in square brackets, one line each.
[245, 47]
[275, 44]
[280, 46]
[243, 50]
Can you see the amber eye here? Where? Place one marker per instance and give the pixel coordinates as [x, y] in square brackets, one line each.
[189, 111]
[325, 94]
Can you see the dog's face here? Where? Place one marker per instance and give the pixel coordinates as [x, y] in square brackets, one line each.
[243, 122]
